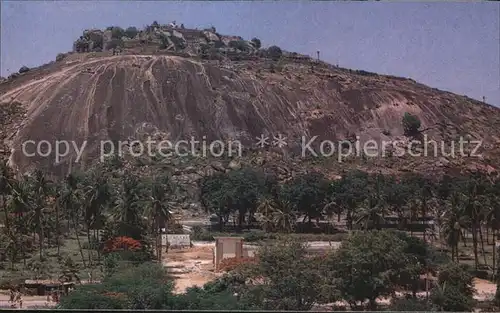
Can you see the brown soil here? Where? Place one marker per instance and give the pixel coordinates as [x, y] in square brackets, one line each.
[190, 266]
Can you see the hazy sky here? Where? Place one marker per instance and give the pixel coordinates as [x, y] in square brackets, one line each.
[450, 46]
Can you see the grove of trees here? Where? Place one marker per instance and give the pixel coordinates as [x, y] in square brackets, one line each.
[448, 209]
[368, 266]
[116, 215]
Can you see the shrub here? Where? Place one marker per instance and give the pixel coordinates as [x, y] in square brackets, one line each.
[274, 52]
[131, 32]
[411, 304]
[142, 287]
[230, 264]
[60, 57]
[13, 75]
[450, 298]
[24, 69]
[256, 43]
[365, 73]
[411, 124]
[116, 32]
[455, 290]
[115, 43]
[238, 44]
[122, 244]
[199, 234]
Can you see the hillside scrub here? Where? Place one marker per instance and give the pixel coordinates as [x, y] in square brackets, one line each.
[411, 125]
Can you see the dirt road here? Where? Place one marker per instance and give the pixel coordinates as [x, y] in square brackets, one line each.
[191, 266]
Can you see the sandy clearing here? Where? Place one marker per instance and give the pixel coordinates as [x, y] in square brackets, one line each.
[191, 266]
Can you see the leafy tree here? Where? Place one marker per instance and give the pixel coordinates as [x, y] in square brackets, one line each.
[306, 194]
[116, 32]
[256, 43]
[236, 191]
[131, 32]
[367, 266]
[421, 259]
[24, 69]
[215, 197]
[143, 287]
[455, 289]
[397, 197]
[348, 194]
[274, 52]
[288, 278]
[411, 125]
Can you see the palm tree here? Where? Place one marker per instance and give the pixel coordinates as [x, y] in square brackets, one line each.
[20, 206]
[266, 208]
[492, 216]
[70, 200]
[284, 218]
[372, 215]
[375, 208]
[6, 180]
[473, 191]
[42, 189]
[97, 196]
[128, 205]
[278, 215]
[162, 191]
[453, 220]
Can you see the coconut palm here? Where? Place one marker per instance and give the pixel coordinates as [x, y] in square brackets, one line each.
[97, 196]
[70, 199]
[453, 220]
[6, 181]
[284, 217]
[128, 207]
[266, 208]
[162, 191]
[41, 190]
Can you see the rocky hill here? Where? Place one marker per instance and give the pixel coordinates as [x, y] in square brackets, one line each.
[210, 87]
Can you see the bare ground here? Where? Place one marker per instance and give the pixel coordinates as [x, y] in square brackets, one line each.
[191, 266]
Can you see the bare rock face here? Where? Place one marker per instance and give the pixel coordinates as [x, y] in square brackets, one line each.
[93, 100]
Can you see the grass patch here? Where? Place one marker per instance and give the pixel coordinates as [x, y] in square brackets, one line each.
[50, 267]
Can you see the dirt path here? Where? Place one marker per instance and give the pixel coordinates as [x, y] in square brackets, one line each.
[485, 290]
[28, 302]
[190, 266]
